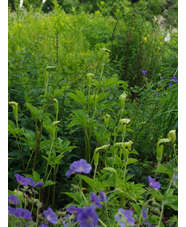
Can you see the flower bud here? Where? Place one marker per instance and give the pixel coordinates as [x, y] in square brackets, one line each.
[89, 78]
[53, 129]
[94, 98]
[122, 99]
[15, 110]
[46, 77]
[124, 123]
[159, 152]
[96, 153]
[172, 136]
[106, 119]
[56, 107]
[159, 148]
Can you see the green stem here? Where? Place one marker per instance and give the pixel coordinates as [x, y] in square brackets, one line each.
[102, 222]
[54, 187]
[29, 161]
[161, 215]
[95, 171]
[20, 150]
[49, 157]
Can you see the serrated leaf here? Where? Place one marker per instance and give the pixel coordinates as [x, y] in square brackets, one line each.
[131, 160]
[49, 183]
[75, 196]
[78, 97]
[157, 195]
[36, 176]
[164, 168]
[137, 208]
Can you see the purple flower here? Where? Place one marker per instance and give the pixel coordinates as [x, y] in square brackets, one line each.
[71, 209]
[95, 199]
[21, 180]
[80, 166]
[74, 210]
[157, 92]
[144, 213]
[25, 181]
[23, 213]
[175, 178]
[50, 215]
[13, 200]
[170, 84]
[153, 183]
[162, 77]
[65, 224]
[88, 218]
[39, 184]
[174, 79]
[144, 72]
[124, 217]
[43, 225]
[30, 181]
[103, 196]
[11, 210]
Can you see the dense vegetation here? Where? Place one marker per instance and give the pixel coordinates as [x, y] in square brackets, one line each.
[93, 90]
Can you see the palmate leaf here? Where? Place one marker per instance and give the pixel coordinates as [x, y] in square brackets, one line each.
[94, 184]
[49, 183]
[113, 81]
[167, 168]
[11, 127]
[76, 196]
[81, 118]
[171, 201]
[78, 97]
[35, 112]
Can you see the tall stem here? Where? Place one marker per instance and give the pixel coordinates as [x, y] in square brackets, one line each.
[161, 215]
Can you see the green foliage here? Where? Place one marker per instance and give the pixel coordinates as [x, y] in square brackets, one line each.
[76, 90]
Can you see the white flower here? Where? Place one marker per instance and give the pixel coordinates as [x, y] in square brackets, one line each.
[167, 38]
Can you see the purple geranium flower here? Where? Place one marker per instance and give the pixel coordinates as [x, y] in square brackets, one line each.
[175, 178]
[144, 214]
[144, 72]
[65, 224]
[174, 79]
[11, 210]
[74, 210]
[13, 200]
[103, 196]
[71, 209]
[88, 218]
[39, 184]
[43, 225]
[95, 199]
[80, 166]
[157, 92]
[23, 213]
[50, 215]
[30, 181]
[153, 183]
[162, 77]
[25, 181]
[21, 180]
[124, 217]
[170, 84]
